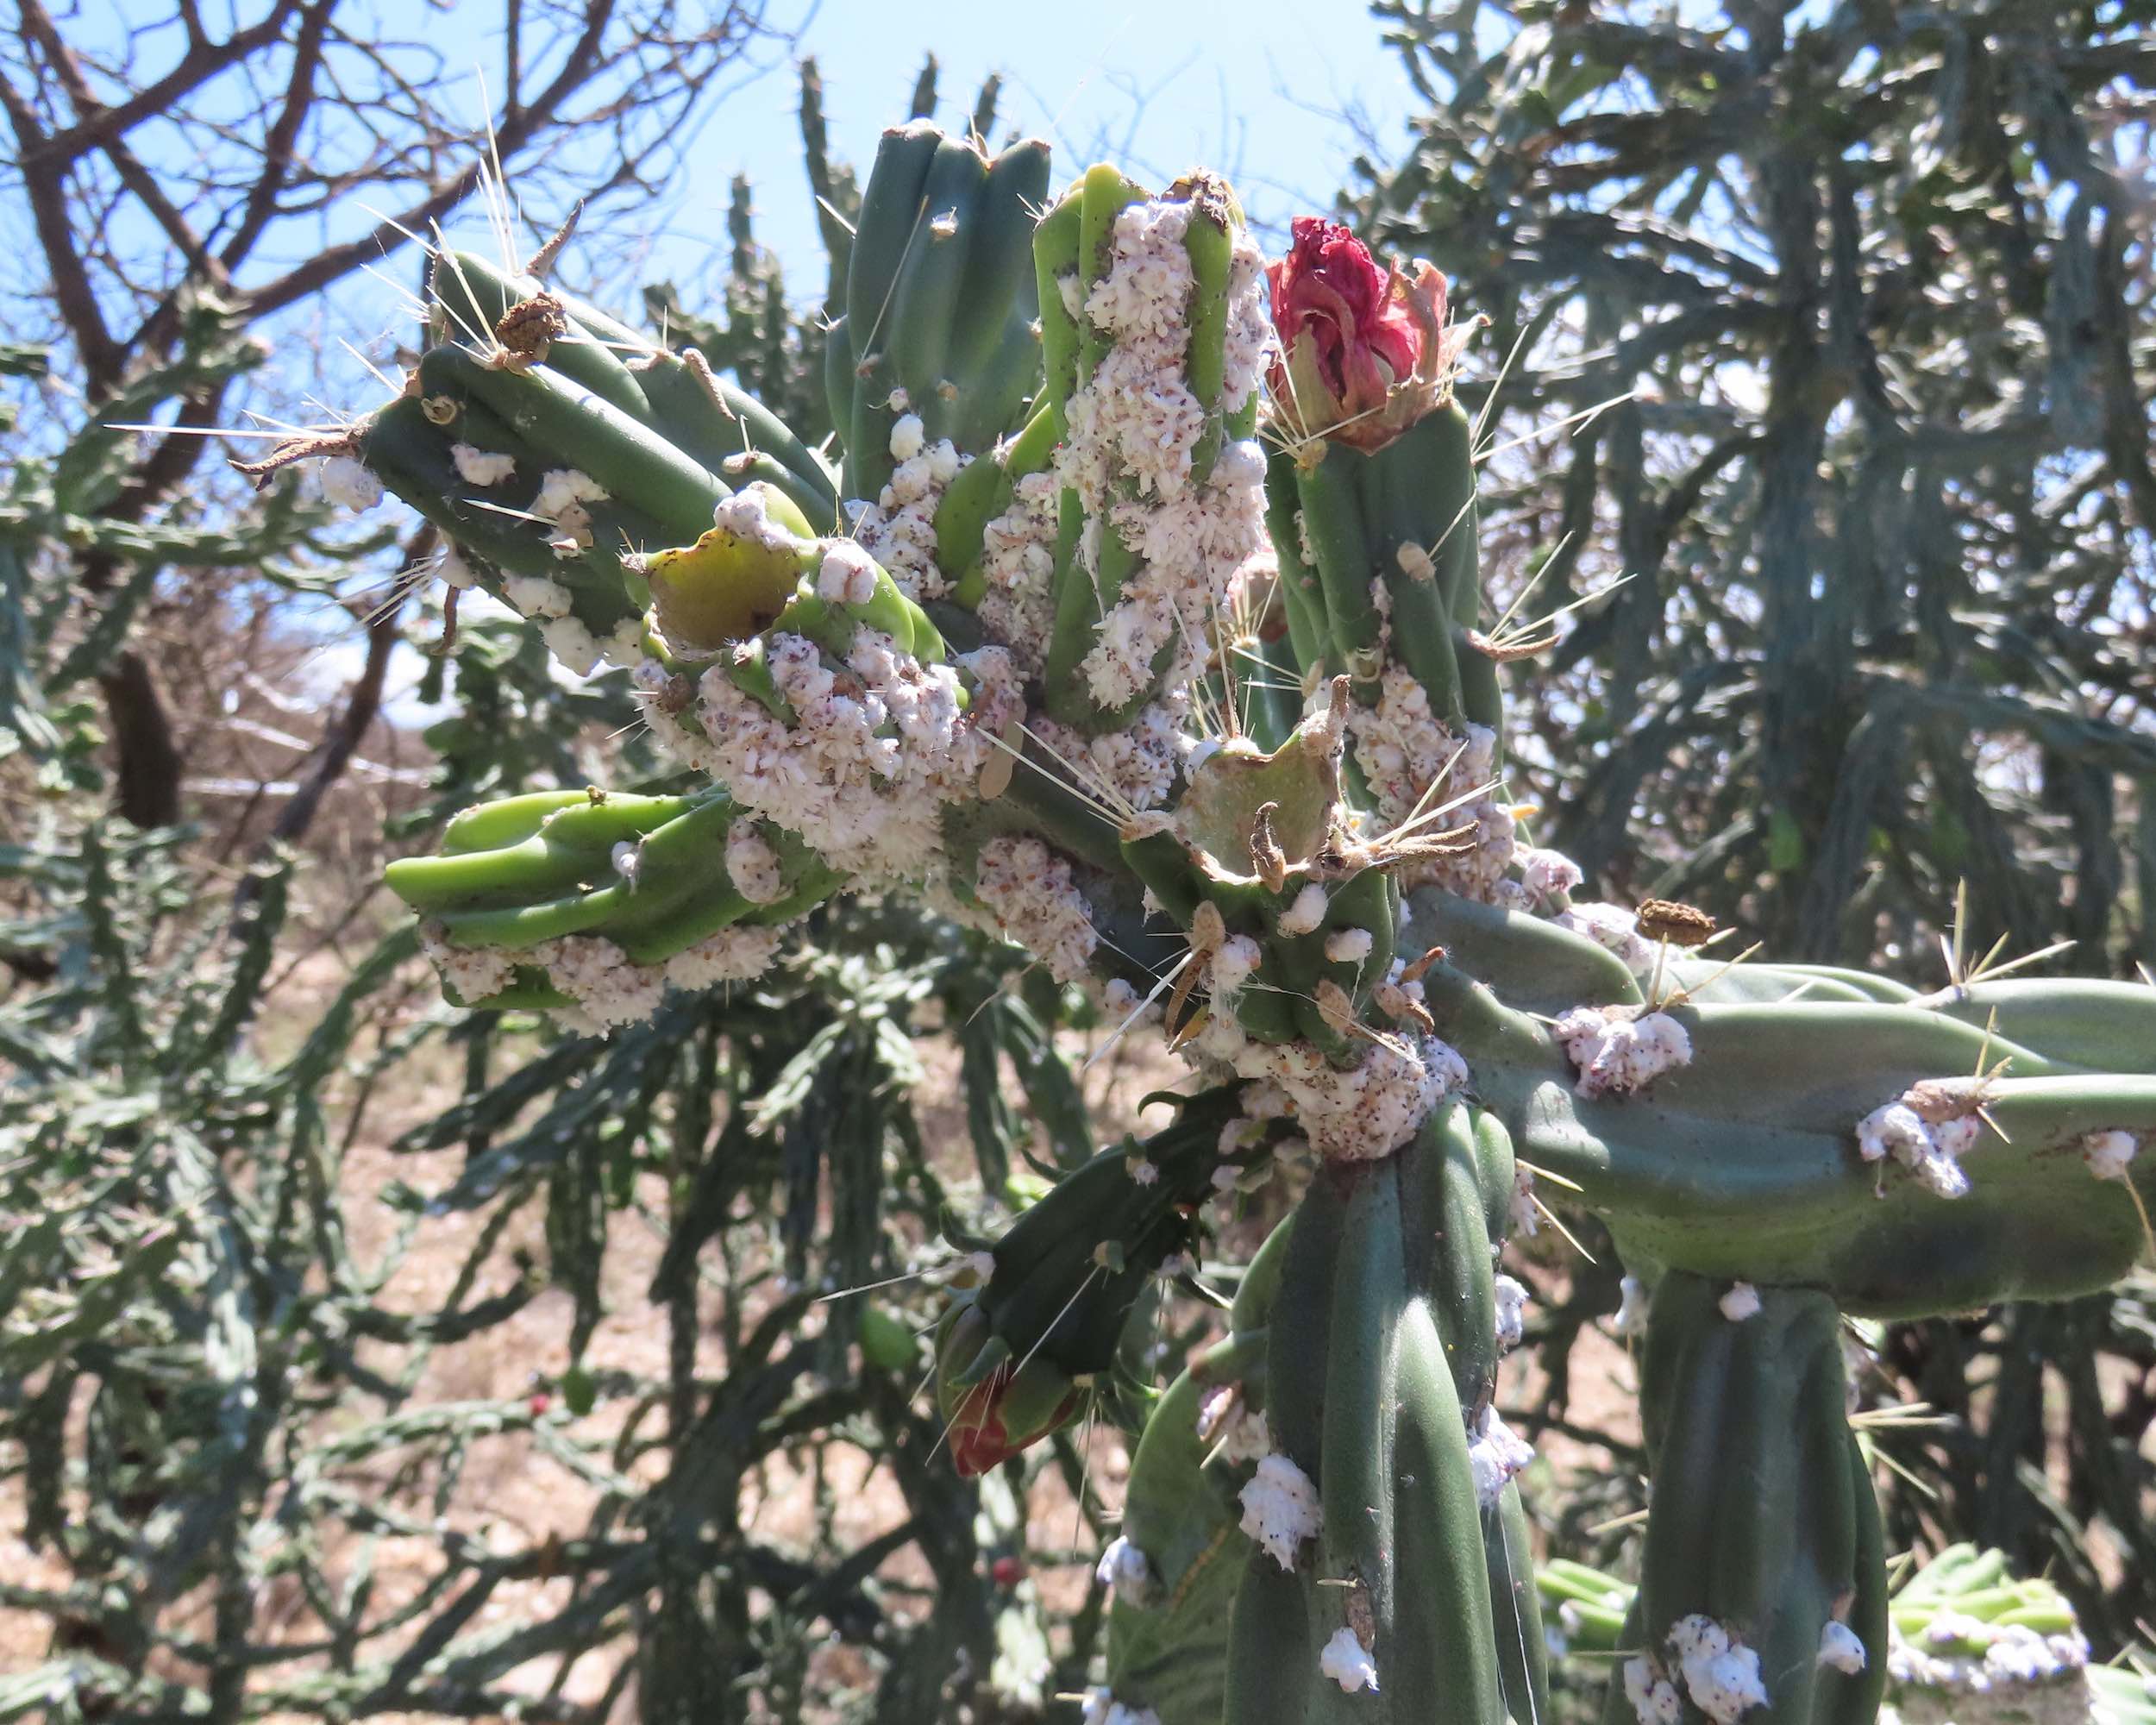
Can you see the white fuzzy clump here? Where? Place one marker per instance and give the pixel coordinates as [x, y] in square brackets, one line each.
[1410, 761]
[1142, 1171]
[1279, 1508]
[847, 574]
[535, 596]
[1497, 1454]
[610, 987]
[1247, 348]
[1101, 1708]
[1234, 964]
[1133, 429]
[1632, 1308]
[733, 954]
[1511, 1311]
[1931, 1150]
[2109, 1154]
[1741, 1301]
[1123, 1569]
[471, 973]
[752, 865]
[1306, 914]
[563, 494]
[1348, 1663]
[1840, 1649]
[746, 517]
[1401, 746]
[1017, 564]
[1617, 1052]
[581, 651]
[899, 531]
[347, 482]
[1654, 1698]
[2018, 1664]
[480, 466]
[1614, 928]
[1239, 1431]
[1347, 946]
[1028, 888]
[1721, 1673]
[875, 745]
[1137, 764]
[1544, 874]
[454, 570]
[1368, 1112]
[571, 642]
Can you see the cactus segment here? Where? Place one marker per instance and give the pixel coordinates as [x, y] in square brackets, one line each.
[1755, 1542]
[554, 467]
[1749, 1166]
[1361, 1397]
[1154, 317]
[1167, 1638]
[938, 325]
[603, 900]
[1389, 537]
[1015, 1354]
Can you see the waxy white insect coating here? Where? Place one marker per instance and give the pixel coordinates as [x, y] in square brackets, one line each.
[1279, 1508]
[1348, 1663]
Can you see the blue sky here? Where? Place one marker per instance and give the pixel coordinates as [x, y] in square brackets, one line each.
[1275, 94]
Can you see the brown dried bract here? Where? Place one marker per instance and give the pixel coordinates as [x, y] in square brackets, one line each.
[530, 327]
[1360, 1617]
[1267, 861]
[1679, 925]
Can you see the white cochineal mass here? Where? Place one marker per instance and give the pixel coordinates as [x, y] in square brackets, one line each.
[1620, 1051]
[1133, 428]
[1930, 1149]
[1029, 891]
[611, 989]
[898, 528]
[1497, 1455]
[1348, 1663]
[1721, 1673]
[876, 743]
[1279, 1508]
[1368, 1110]
[1017, 567]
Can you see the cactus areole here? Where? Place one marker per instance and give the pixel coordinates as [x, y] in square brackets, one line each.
[1212, 726]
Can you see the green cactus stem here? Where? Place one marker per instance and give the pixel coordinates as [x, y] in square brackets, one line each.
[1017, 1353]
[1763, 1591]
[603, 900]
[1153, 336]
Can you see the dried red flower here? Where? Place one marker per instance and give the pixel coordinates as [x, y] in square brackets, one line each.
[1365, 352]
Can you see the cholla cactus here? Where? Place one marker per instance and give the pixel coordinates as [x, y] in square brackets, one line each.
[1220, 735]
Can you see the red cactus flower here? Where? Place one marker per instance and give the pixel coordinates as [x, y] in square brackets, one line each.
[1006, 1571]
[1365, 352]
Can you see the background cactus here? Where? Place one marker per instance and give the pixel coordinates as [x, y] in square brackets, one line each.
[1220, 735]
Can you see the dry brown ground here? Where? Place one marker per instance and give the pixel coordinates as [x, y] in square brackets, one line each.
[511, 1493]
